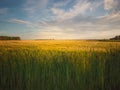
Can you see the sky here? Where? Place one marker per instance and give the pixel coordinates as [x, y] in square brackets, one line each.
[60, 19]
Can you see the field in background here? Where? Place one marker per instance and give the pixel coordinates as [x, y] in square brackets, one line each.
[59, 65]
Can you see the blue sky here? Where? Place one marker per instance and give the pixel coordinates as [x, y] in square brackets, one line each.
[60, 19]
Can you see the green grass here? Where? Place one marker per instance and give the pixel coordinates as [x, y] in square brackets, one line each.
[59, 65]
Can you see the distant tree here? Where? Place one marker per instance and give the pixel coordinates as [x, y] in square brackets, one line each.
[9, 38]
[115, 38]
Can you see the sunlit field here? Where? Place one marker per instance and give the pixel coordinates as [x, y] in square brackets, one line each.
[59, 65]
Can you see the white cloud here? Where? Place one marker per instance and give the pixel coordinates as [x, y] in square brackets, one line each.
[27, 23]
[113, 17]
[78, 8]
[108, 4]
[63, 3]
[110, 19]
[112, 5]
[33, 6]
[19, 21]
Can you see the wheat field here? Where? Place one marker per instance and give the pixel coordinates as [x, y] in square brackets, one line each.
[59, 65]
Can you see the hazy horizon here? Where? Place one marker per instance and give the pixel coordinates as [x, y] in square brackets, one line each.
[60, 19]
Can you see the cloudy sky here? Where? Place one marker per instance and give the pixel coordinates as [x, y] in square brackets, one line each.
[60, 19]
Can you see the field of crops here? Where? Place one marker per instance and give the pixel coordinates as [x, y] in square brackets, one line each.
[59, 65]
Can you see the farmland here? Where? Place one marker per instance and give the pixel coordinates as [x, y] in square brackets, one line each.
[59, 65]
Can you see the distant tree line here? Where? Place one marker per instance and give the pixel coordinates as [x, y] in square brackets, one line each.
[9, 38]
[115, 38]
